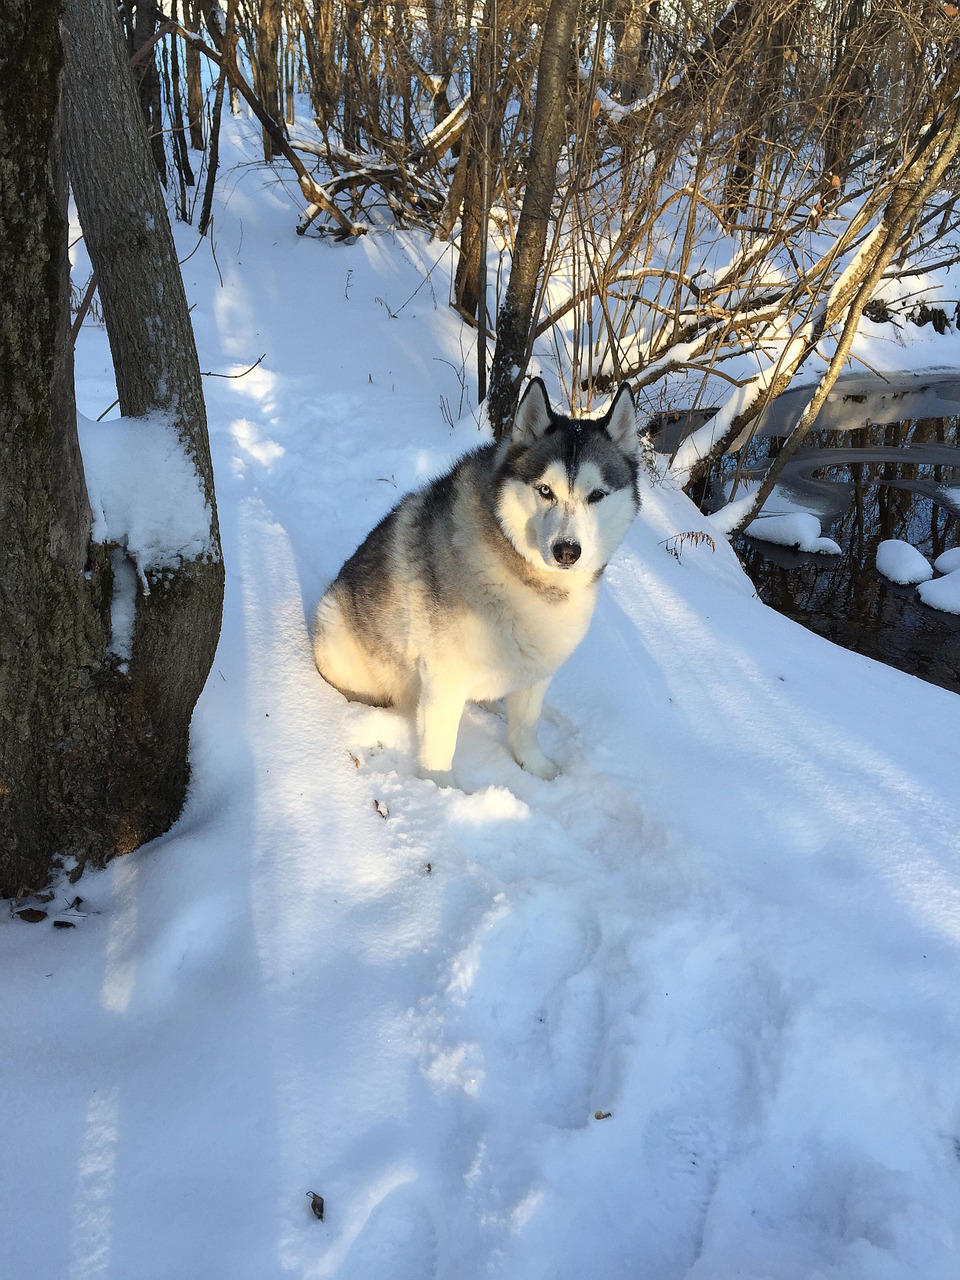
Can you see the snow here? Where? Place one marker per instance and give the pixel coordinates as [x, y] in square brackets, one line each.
[902, 563]
[800, 529]
[947, 561]
[942, 593]
[144, 491]
[780, 521]
[690, 1010]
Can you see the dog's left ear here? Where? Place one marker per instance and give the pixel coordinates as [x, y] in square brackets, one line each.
[621, 424]
[533, 414]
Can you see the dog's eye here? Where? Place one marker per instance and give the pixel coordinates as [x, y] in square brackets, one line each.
[545, 491]
[597, 496]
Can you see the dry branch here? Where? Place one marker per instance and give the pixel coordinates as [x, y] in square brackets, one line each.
[313, 193]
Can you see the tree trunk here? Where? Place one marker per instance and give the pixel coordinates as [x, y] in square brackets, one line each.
[318, 32]
[181, 153]
[477, 164]
[266, 68]
[630, 27]
[127, 233]
[42, 502]
[141, 22]
[93, 760]
[516, 319]
[191, 14]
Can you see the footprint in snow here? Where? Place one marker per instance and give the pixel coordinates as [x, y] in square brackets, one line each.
[682, 1156]
[553, 1022]
[397, 1238]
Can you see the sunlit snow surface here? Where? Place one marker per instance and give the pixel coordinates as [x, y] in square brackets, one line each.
[688, 1011]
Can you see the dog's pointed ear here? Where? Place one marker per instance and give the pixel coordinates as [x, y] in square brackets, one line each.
[621, 424]
[533, 414]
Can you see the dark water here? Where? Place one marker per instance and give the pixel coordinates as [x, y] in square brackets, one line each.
[843, 597]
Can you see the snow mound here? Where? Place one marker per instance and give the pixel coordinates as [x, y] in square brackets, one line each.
[144, 491]
[780, 521]
[901, 563]
[798, 529]
[942, 593]
[948, 561]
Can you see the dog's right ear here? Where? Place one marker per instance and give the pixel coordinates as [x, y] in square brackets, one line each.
[533, 414]
[621, 419]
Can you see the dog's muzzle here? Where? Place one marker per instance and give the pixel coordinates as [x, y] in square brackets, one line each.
[566, 553]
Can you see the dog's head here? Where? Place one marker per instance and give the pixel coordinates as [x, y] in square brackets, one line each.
[568, 486]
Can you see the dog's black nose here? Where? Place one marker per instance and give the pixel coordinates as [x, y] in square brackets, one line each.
[566, 553]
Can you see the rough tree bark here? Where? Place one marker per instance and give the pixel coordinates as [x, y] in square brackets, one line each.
[127, 233]
[141, 21]
[630, 26]
[266, 68]
[93, 760]
[515, 323]
[191, 18]
[43, 508]
[475, 162]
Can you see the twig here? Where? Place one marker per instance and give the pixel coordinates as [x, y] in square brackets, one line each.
[311, 191]
[83, 308]
[209, 373]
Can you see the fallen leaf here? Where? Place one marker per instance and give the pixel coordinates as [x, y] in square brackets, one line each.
[316, 1204]
[32, 915]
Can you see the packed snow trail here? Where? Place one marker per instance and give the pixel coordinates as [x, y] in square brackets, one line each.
[687, 1011]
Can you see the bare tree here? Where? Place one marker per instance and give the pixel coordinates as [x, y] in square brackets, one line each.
[691, 191]
[515, 320]
[266, 67]
[93, 757]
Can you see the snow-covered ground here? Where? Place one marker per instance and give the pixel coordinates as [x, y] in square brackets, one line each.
[690, 1010]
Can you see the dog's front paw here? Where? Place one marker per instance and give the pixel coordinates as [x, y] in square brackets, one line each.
[442, 777]
[535, 762]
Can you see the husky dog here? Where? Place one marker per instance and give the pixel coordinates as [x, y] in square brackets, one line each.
[480, 584]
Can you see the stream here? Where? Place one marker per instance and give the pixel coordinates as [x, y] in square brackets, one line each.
[902, 481]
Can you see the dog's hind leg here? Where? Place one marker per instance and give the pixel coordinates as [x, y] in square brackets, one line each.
[523, 713]
[342, 660]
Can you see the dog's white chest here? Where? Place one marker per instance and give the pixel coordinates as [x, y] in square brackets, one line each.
[515, 637]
